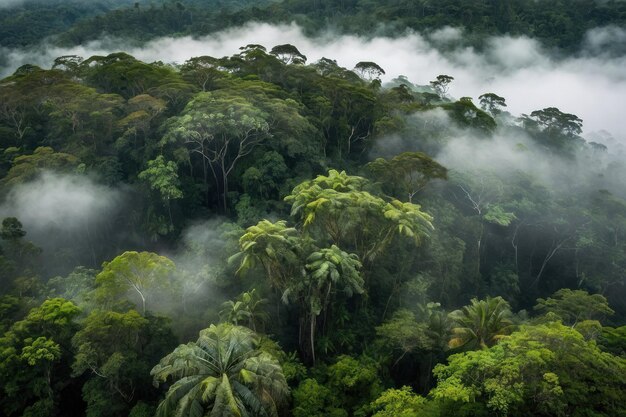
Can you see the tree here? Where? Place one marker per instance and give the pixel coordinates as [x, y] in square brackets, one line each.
[223, 373]
[554, 128]
[341, 389]
[144, 109]
[543, 370]
[77, 286]
[407, 173]
[221, 129]
[355, 382]
[68, 63]
[81, 118]
[573, 306]
[27, 167]
[12, 229]
[14, 111]
[142, 273]
[34, 356]
[201, 71]
[115, 352]
[481, 324]
[404, 334]
[300, 272]
[328, 270]
[401, 402]
[369, 70]
[274, 247]
[42, 352]
[289, 54]
[336, 207]
[483, 193]
[312, 399]
[162, 176]
[442, 84]
[492, 103]
[21, 255]
[553, 121]
[247, 309]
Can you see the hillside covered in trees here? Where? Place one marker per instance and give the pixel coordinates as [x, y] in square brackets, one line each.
[259, 234]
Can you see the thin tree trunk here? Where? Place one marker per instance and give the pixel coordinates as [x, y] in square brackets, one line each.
[312, 335]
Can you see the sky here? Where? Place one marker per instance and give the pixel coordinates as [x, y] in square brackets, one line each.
[591, 85]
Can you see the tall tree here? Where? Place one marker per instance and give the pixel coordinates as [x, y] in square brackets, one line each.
[221, 130]
[162, 176]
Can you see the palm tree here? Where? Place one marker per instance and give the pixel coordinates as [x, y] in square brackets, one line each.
[329, 270]
[247, 308]
[481, 324]
[272, 246]
[222, 374]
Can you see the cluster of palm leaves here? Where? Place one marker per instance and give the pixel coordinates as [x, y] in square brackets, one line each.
[247, 309]
[222, 374]
[481, 324]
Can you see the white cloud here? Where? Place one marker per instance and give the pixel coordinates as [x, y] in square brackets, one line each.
[62, 202]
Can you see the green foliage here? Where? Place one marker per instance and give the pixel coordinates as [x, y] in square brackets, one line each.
[272, 246]
[40, 352]
[355, 380]
[613, 340]
[401, 402]
[496, 215]
[289, 54]
[573, 306]
[481, 324]
[142, 274]
[339, 208]
[247, 309]
[185, 142]
[27, 167]
[313, 399]
[369, 70]
[441, 85]
[162, 176]
[348, 387]
[34, 359]
[551, 362]
[492, 103]
[407, 174]
[115, 352]
[220, 129]
[223, 373]
[404, 333]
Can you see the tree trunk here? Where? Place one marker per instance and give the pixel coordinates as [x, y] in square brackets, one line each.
[312, 335]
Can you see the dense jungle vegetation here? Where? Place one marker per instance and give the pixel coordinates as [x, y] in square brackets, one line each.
[261, 235]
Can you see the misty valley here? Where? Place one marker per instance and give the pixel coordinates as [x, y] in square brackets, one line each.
[312, 208]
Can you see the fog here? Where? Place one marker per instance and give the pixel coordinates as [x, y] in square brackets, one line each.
[72, 218]
[591, 84]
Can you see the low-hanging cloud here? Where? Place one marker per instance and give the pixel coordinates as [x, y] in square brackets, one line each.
[507, 153]
[55, 200]
[67, 215]
[591, 84]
